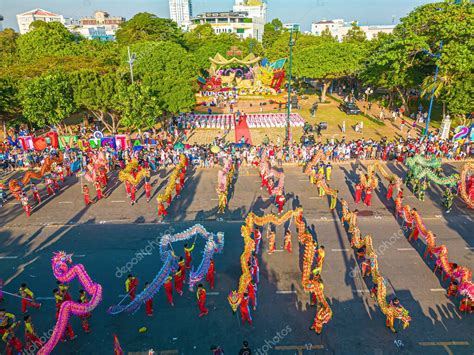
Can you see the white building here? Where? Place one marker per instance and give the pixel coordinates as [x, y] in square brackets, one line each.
[25, 19]
[239, 23]
[254, 8]
[181, 12]
[338, 28]
[101, 26]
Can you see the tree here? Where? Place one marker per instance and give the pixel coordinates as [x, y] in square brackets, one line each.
[138, 107]
[327, 61]
[47, 100]
[148, 27]
[9, 100]
[280, 48]
[355, 34]
[170, 73]
[44, 39]
[8, 47]
[272, 31]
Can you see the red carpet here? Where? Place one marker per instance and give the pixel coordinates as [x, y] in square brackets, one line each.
[242, 129]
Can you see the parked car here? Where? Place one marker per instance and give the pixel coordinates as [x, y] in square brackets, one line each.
[349, 108]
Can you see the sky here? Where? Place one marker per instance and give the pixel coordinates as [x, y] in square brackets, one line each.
[372, 12]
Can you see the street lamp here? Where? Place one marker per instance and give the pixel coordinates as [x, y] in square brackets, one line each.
[131, 59]
[368, 92]
[430, 109]
[291, 44]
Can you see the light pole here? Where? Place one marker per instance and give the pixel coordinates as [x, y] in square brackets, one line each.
[430, 109]
[368, 92]
[288, 128]
[131, 60]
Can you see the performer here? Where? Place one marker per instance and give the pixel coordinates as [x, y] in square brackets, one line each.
[178, 190]
[178, 282]
[257, 237]
[271, 242]
[7, 331]
[169, 290]
[26, 204]
[394, 304]
[147, 190]
[353, 220]
[391, 185]
[54, 179]
[64, 288]
[366, 267]
[87, 198]
[127, 187]
[131, 284]
[27, 298]
[254, 267]
[201, 299]
[415, 232]
[244, 309]
[368, 196]
[149, 303]
[280, 201]
[133, 190]
[60, 171]
[328, 171]
[423, 186]
[465, 306]
[84, 318]
[31, 338]
[358, 192]
[452, 289]
[448, 199]
[36, 195]
[98, 190]
[287, 241]
[252, 291]
[210, 274]
[162, 212]
[182, 265]
[334, 200]
[182, 175]
[59, 299]
[187, 255]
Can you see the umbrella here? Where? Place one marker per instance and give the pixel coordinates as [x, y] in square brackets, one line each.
[215, 149]
[179, 145]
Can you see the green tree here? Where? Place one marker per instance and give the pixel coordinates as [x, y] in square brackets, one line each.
[327, 61]
[169, 71]
[9, 100]
[272, 31]
[355, 34]
[148, 27]
[138, 107]
[8, 47]
[47, 100]
[44, 39]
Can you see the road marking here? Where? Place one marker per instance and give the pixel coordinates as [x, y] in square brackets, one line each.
[283, 292]
[213, 293]
[299, 348]
[278, 250]
[324, 218]
[80, 256]
[378, 217]
[469, 248]
[438, 216]
[63, 202]
[316, 198]
[44, 298]
[214, 199]
[8, 257]
[301, 180]
[360, 291]
[339, 249]
[437, 290]
[445, 344]
[406, 249]
[117, 201]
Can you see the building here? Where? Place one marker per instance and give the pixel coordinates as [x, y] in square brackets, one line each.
[239, 23]
[254, 8]
[25, 19]
[102, 26]
[338, 28]
[181, 12]
[1, 22]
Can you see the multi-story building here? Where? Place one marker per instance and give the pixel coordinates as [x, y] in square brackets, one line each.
[101, 26]
[239, 23]
[254, 8]
[338, 28]
[25, 19]
[181, 12]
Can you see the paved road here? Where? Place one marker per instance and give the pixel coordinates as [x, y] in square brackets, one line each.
[107, 235]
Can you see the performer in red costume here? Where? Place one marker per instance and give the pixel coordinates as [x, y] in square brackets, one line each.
[187, 255]
[131, 284]
[147, 191]
[31, 338]
[287, 241]
[169, 290]
[201, 298]
[59, 298]
[280, 201]
[133, 190]
[210, 274]
[149, 303]
[390, 191]
[368, 196]
[87, 197]
[252, 291]
[85, 318]
[36, 195]
[244, 309]
[98, 190]
[178, 282]
[27, 298]
[26, 204]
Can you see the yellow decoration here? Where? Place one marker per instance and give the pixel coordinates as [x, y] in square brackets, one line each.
[172, 180]
[468, 167]
[127, 173]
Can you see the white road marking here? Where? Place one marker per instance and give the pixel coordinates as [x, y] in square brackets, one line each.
[122, 296]
[282, 292]
[117, 201]
[214, 199]
[437, 290]
[278, 251]
[469, 248]
[339, 249]
[438, 216]
[63, 202]
[406, 249]
[324, 218]
[301, 180]
[213, 293]
[8, 257]
[316, 198]
[80, 256]
[44, 298]
[360, 291]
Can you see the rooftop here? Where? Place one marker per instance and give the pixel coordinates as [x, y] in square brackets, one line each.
[39, 12]
[223, 14]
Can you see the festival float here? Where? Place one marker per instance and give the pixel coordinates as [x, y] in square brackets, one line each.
[214, 243]
[225, 177]
[466, 190]
[312, 285]
[357, 242]
[422, 168]
[64, 273]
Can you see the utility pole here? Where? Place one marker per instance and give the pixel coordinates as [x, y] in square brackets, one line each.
[131, 60]
[434, 88]
[288, 128]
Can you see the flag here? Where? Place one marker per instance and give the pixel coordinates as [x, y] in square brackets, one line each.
[117, 349]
